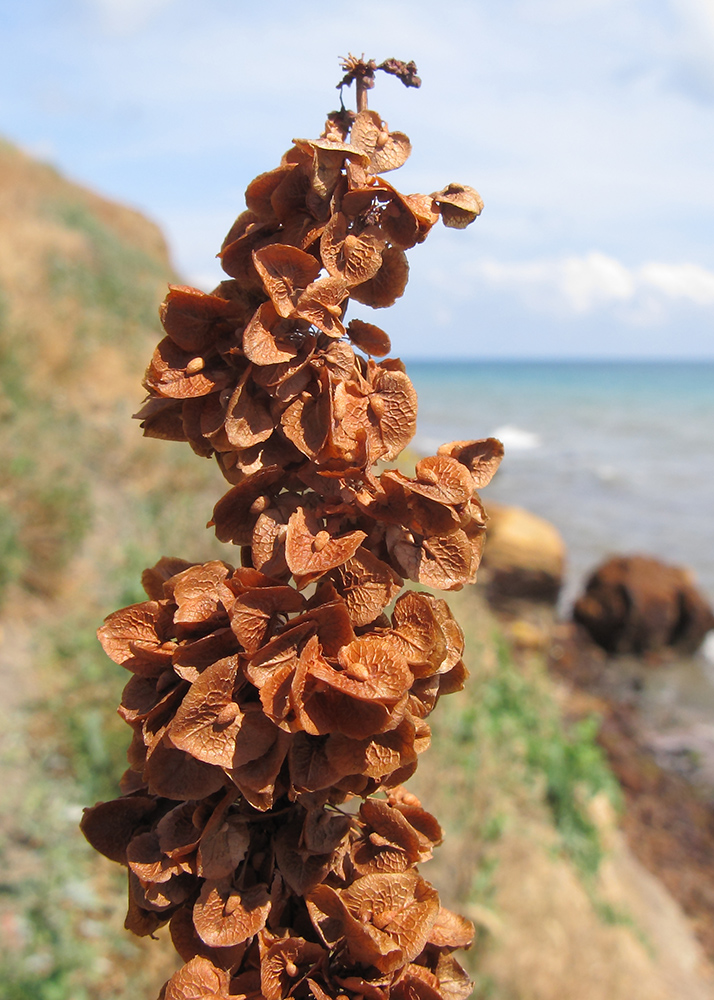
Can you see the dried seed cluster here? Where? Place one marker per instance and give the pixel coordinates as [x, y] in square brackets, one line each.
[265, 698]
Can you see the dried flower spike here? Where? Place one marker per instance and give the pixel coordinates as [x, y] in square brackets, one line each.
[263, 697]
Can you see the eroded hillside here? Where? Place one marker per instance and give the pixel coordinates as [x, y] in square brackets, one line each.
[85, 504]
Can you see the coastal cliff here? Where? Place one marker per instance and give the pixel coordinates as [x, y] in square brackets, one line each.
[533, 849]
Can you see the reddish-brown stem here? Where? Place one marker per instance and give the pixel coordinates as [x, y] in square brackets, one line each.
[361, 93]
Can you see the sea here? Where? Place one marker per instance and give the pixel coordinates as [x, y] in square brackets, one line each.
[618, 455]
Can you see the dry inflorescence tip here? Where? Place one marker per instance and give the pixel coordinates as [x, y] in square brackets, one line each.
[276, 707]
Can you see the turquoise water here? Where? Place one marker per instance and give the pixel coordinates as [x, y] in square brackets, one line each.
[618, 455]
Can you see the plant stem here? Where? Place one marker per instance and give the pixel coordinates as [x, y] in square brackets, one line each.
[361, 93]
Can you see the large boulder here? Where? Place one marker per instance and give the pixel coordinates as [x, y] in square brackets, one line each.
[635, 604]
[524, 556]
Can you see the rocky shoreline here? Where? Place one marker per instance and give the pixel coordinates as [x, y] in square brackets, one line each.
[656, 713]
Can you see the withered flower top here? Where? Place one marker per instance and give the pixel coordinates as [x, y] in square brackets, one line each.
[259, 372]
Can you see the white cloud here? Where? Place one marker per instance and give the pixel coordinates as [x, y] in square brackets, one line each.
[688, 282]
[641, 295]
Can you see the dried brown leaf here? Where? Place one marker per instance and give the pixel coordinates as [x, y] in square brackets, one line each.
[202, 596]
[189, 945]
[193, 318]
[284, 963]
[173, 774]
[376, 757]
[443, 479]
[256, 611]
[236, 256]
[178, 836]
[419, 633]
[140, 628]
[109, 826]
[191, 657]
[178, 374]
[269, 340]
[260, 191]
[289, 197]
[311, 769]
[312, 549]
[248, 419]
[443, 562]
[481, 457]
[386, 150]
[320, 305]
[389, 282]
[451, 930]
[162, 419]
[367, 585]
[208, 720]
[284, 270]
[354, 257]
[225, 916]
[148, 862]
[459, 205]
[393, 409]
[369, 338]
[454, 981]
[261, 748]
[223, 846]
[234, 515]
[154, 578]
[306, 421]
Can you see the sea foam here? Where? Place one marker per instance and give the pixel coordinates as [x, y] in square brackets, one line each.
[517, 439]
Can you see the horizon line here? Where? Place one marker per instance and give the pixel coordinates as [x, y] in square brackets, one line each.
[556, 359]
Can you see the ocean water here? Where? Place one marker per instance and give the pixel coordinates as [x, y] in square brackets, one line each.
[618, 455]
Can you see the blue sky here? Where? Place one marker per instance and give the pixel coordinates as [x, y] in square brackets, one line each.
[587, 126]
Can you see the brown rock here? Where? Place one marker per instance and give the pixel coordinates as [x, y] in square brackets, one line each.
[524, 556]
[635, 604]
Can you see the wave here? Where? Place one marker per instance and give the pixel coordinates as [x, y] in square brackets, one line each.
[517, 439]
[707, 649]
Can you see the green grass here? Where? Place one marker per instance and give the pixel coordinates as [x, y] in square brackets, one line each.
[87, 738]
[510, 717]
[45, 502]
[501, 751]
[565, 761]
[504, 763]
[64, 905]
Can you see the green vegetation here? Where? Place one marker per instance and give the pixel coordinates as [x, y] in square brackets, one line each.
[62, 906]
[509, 721]
[505, 767]
[566, 762]
[45, 497]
